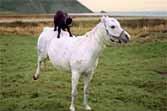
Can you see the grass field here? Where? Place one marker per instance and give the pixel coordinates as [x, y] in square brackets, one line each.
[126, 78]
[131, 77]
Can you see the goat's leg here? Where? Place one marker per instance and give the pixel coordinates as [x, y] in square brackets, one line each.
[68, 29]
[87, 79]
[59, 31]
[36, 75]
[75, 79]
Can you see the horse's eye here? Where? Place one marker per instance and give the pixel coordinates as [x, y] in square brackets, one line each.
[113, 27]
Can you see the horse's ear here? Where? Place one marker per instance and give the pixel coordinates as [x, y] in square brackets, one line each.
[103, 19]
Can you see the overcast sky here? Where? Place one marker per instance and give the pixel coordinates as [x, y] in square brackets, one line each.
[125, 5]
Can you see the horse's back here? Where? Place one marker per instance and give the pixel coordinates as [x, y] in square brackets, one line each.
[59, 51]
[55, 48]
[46, 36]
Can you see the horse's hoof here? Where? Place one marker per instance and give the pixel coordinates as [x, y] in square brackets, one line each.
[88, 108]
[35, 78]
[72, 108]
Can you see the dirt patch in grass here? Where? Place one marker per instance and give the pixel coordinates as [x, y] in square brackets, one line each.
[162, 73]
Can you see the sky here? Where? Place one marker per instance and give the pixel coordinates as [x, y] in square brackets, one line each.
[125, 5]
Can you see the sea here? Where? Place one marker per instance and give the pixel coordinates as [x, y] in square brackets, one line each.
[146, 13]
[132, 14]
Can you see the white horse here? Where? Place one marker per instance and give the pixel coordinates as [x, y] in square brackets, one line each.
[79, 55]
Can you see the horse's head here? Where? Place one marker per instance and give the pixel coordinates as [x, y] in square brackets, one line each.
[115, 33]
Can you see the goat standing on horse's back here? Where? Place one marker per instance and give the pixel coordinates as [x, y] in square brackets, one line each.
[62, 21]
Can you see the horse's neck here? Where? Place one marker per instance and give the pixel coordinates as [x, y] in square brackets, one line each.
[97, 34]
[96, 38]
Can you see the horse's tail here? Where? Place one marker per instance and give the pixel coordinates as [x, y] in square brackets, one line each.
[42, 45]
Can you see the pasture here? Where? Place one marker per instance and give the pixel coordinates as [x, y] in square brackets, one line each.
[131, 77]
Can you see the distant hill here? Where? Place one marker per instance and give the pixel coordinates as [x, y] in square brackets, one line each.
[42, 6]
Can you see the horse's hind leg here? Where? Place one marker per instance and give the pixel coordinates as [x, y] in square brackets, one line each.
[36, 75]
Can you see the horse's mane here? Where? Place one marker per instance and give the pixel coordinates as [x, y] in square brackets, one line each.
[51, 30]
[87, 34]
[92, 31]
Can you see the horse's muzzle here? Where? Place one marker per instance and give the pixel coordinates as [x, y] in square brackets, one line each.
[125, 37]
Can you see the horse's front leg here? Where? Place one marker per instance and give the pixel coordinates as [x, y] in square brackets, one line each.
[75, 79]
[87, 79]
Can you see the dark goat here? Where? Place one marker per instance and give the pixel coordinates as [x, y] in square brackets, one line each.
[62, 21]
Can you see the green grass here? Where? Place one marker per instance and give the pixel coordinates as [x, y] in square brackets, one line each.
[126, 78]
